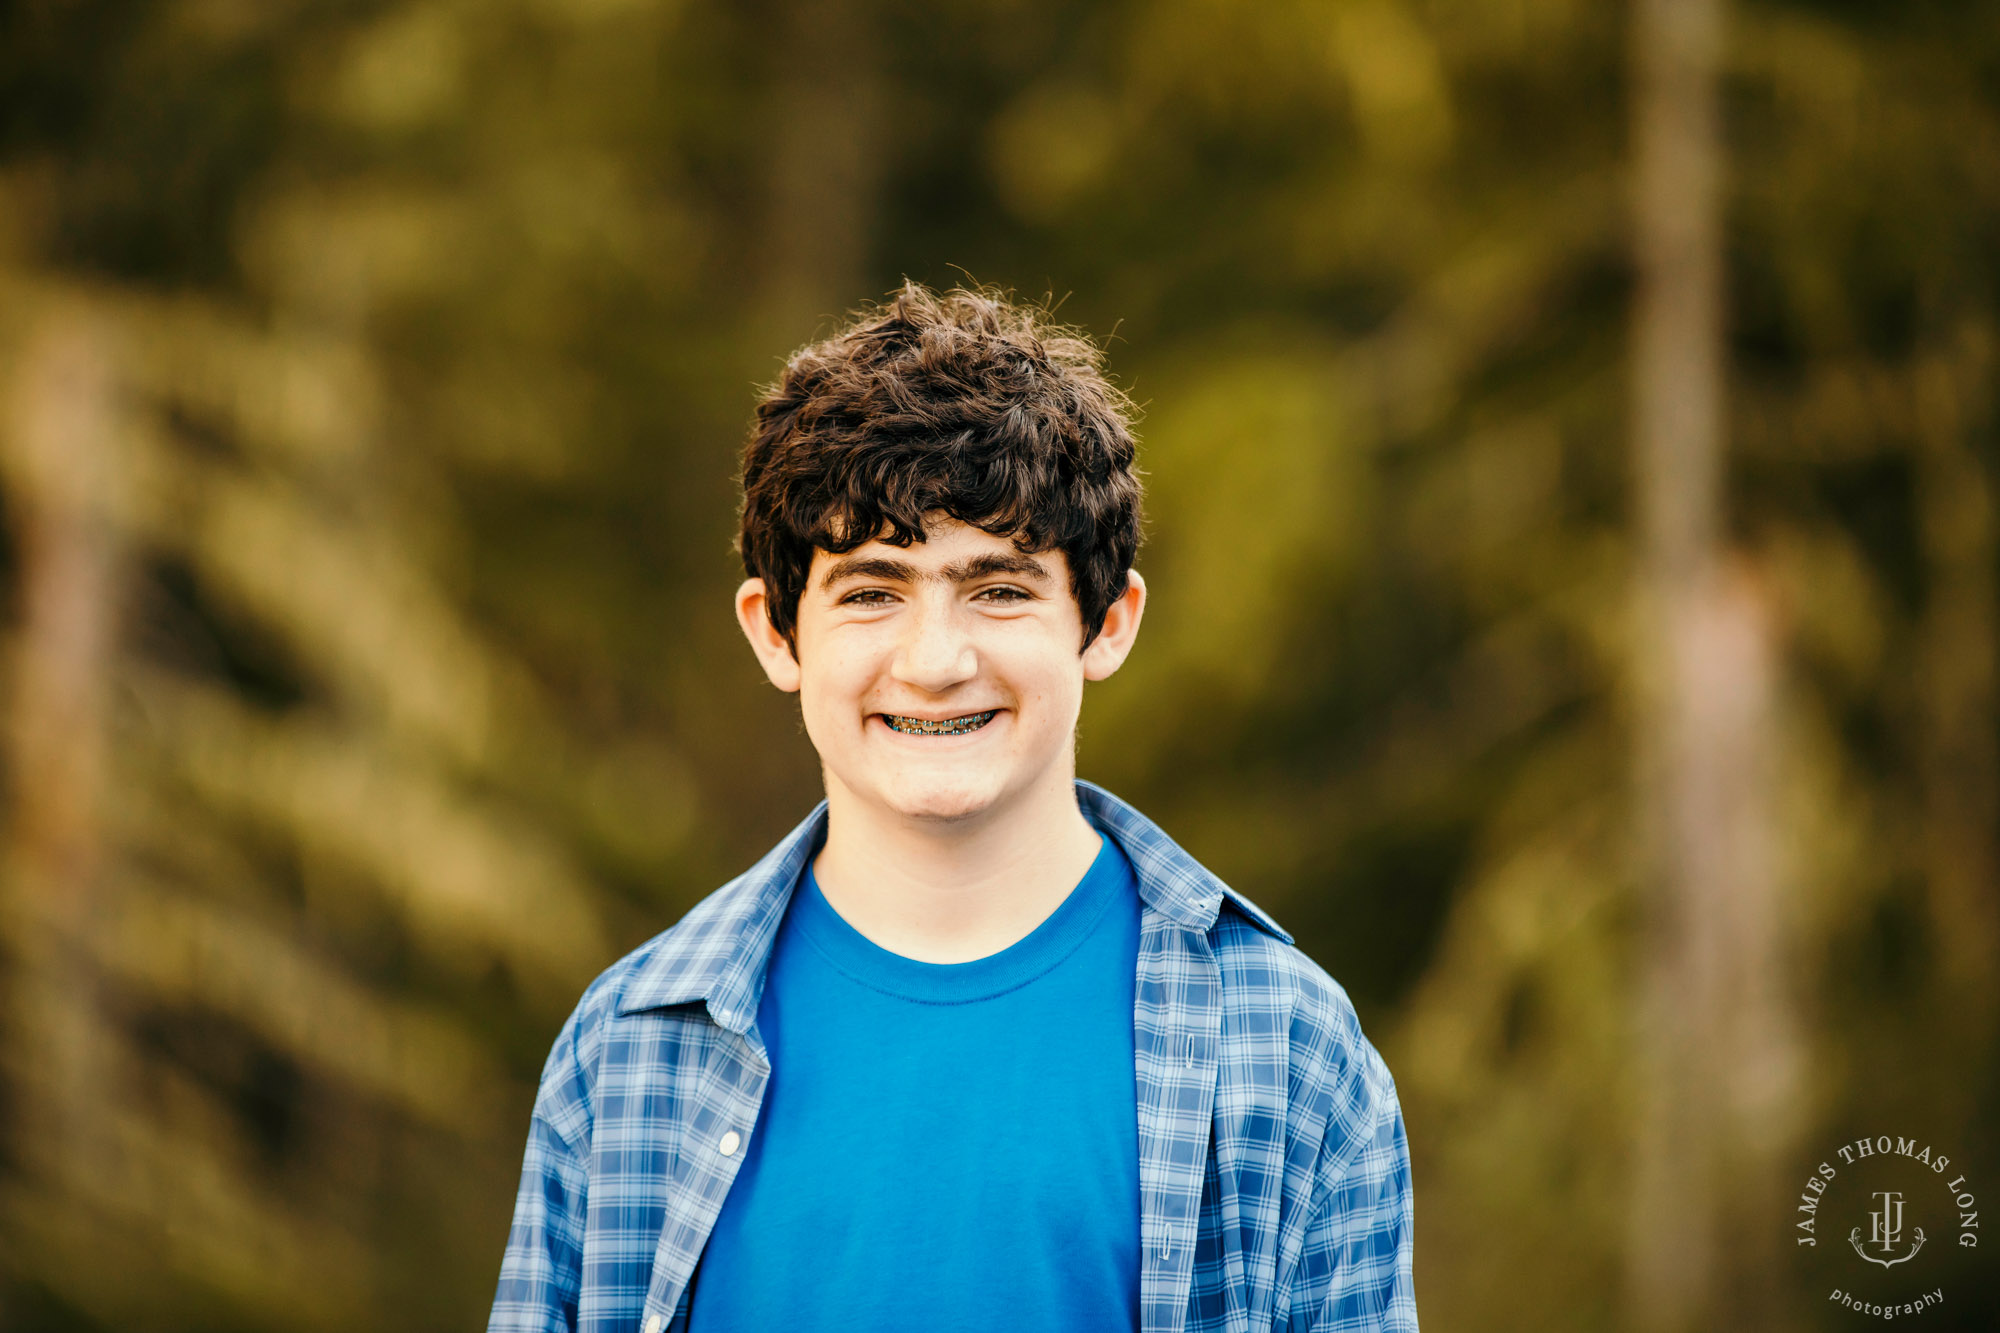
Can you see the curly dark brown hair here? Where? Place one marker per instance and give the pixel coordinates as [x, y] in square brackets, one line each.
[965, 404]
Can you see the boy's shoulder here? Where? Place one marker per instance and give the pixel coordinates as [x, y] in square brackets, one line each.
[1263, 969]
[1271, 986]
[701, 957]
[709, 934]
[1294, 1040]
[1262, 966]
[681, 965]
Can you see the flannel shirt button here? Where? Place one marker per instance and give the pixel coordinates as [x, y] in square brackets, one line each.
[654, 1323]
[730, 1143]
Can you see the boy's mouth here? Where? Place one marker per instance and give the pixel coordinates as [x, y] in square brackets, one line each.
[950, 726]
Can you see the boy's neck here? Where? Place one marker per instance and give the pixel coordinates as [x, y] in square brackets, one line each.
[952, 891]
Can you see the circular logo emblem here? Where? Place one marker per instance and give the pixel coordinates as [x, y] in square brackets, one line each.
[1876, 1212]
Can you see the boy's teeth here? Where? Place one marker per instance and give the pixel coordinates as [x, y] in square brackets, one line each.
[951, 726]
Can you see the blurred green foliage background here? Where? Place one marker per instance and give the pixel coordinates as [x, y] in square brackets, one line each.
[371, 379]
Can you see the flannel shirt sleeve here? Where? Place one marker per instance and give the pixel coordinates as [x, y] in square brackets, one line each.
[543, 1267]
[1355, 1266]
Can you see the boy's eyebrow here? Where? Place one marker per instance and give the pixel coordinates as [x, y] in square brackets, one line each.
[964, 571]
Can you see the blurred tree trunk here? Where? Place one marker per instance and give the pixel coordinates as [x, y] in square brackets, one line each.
[61, 472]
[1716, 1054]
[1961, 772]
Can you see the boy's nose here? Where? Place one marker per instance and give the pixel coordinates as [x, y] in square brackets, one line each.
[936, 654]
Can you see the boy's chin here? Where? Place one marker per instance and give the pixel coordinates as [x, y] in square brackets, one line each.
[917, 799]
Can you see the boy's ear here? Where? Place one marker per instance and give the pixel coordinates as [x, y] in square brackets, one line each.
[773, 653]
[1107, 651]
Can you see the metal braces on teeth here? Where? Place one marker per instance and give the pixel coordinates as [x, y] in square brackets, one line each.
[951, 726]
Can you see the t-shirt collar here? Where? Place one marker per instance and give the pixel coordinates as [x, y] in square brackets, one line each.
[716, 955]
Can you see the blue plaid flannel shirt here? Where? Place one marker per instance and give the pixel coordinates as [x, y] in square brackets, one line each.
[1274, 1175]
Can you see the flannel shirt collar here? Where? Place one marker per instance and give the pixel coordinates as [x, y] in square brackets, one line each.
[718, 953]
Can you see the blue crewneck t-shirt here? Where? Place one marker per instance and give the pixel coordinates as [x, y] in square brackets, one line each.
[941, 1145]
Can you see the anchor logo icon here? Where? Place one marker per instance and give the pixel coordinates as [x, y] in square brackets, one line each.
[1886, 1230]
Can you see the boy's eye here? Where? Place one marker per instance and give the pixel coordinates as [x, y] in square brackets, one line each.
[880, 596]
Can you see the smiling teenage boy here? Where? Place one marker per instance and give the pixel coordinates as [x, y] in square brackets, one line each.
[976, 1046]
